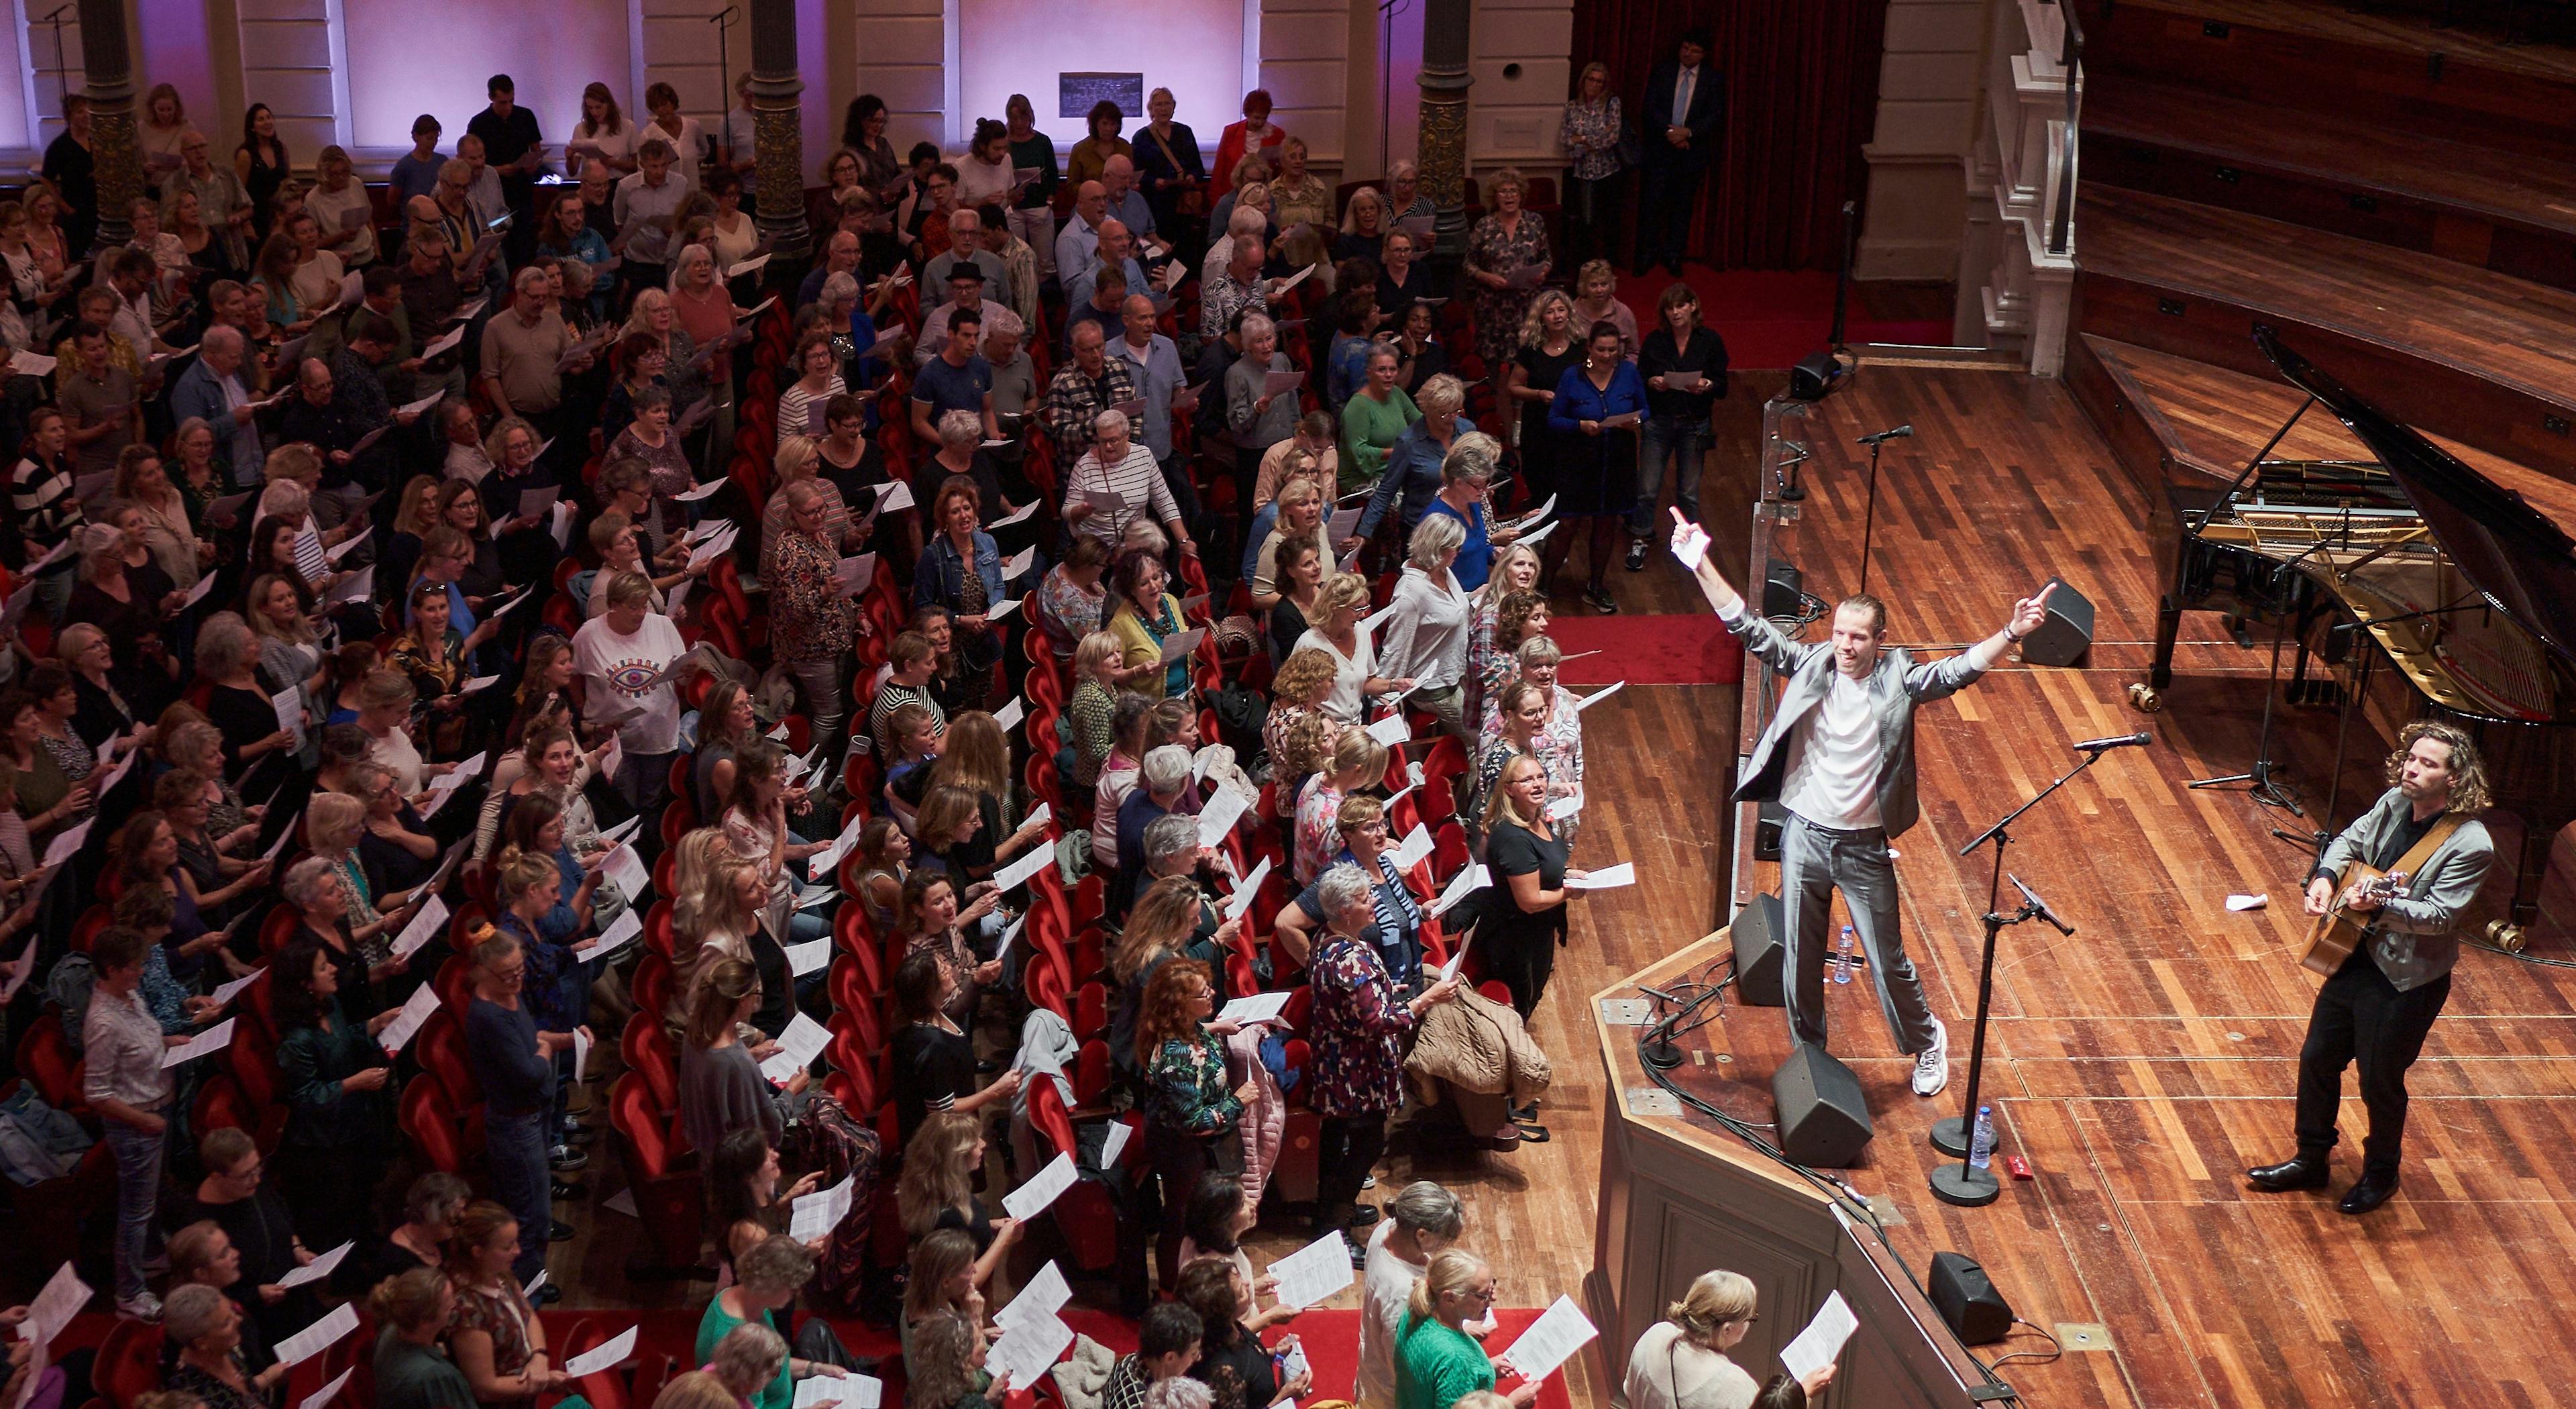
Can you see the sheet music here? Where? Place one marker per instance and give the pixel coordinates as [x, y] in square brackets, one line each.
[54, 1307]
[1551, 1340]
[224, 994]
[798, 1046]
[1019, 562]
[318, 1337]
[1414, 849]
[828, 860]
[1464, 884]
[1392, 730]
[1034, 1197]
[1011, 714]
[356, 587]
[815, 1215]
[1181, 643]
[1458, 960]
[206, 1043]
[620, 933]
[318, 1268]
[1607, 878]
[1045, 1295]
[398, 1033]
[1114, 1142]
[1018, 515]
[1028, 1350]
[1254, 1008]
[1532, 538]
[1022, 867]
[427, 921]
[1223, 809]
[1605, 692]
[581, 1044]
[627, 870]
[704, 491]
[818, 897]
[331, 1391]
[1564, 807]
[1241, 900]
[856, 574]
[848, 1389]
[810, 957]
[610, 1352]
[1320, 1269]
[289, 704]
[1822, 1341]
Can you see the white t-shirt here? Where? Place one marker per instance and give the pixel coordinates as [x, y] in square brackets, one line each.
[1667, 1372]
[1351, 673]
[397, 752]
[619, 666]
[1385, 1285]
[1833, 759]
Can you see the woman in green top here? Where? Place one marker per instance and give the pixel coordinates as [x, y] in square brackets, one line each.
[1190, 1114]
[340, 1110]
[1436, 1361]
[411, 1371]
[1378, 412]
[771, 1272]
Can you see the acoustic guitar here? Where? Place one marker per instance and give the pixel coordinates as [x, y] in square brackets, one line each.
[2340, 929]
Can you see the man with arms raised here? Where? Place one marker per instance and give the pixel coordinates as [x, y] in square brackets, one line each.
[2379, 1005]
[1839, 755]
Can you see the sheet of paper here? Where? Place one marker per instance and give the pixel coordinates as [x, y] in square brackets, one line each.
[1045, 1295]
[1414, 849]
[828, 860]
[816, 899]
[407, 1023]
[856, 574]
[1392, 730]
[427, 921]
[1534, 515]
[323, 1396]
[206, 1043]
[814, 1390]
[1241, 900]
[54, 1307]
[444, 342]
[897, 495]
[1537, 535]
[348, 545]
[289, 704]
[704, 491]
[1105, 501]
[1462, 885]
[1551, 1340]
[510, 606]
[1181, 643]
[320, 1336]
[2248, 902]
[1277, 383]
[356, 587]
[581, 1041]
[1224, 808]
[1320, 1269]
[1254, 1008]
[1597, 696]
[798, 1046]
[1033, 1198]
[1028, 1350]
[1820, 1343]
[1457, 960]
[283, 837]
[815, 1215]
[1564, 807]
[1292, 281]
[318, 1268]
[1027, 864]
[67, 844]
[1001, 609]
[811, 957]
[628, 871]
[1607, 878]
[225, 993]
[1018, 563]
[1011, 714]
[622, 931]
[610, 1352]
[1114, 1142]
[849, 1391]
[752, 265]
[1018, 515]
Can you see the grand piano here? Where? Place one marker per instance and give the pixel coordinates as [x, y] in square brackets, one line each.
[2416, 562]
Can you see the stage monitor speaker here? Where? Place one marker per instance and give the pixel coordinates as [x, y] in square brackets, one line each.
[1760, 952]
[1769, 823]
[2066, 633]
[1823, 1118]
[1782, 588]
[1968, 1301]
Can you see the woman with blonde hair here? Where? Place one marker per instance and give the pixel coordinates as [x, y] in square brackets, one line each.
[1297, 692]
[1091, 712]
[1427, 621]
[1301, 519]
[1337, 630]
[721, 1085]
[1545, 344]
[799, 461]
[937, 1190]
[1437, 1364]
[169, 531]
[1680, 1362]
[699, 1389]
[334, 824]
[1357, 762]
[1527, 859]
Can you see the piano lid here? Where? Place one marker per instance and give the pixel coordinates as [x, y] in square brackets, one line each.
[2511, 553]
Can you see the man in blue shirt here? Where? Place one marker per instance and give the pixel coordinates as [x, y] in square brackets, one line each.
[956, 380]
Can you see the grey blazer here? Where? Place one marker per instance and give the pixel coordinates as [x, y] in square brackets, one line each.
[2412, 940]
[1896, 687]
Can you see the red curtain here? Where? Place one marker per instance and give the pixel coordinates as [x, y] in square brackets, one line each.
[1802, 95]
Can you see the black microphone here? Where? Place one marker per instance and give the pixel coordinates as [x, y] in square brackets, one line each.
[2139, 739]
[1900, 433]
[2037, 906]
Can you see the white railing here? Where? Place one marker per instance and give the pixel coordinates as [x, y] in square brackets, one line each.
[2020, 254]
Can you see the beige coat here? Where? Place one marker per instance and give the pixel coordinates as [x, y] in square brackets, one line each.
[1478, 1045]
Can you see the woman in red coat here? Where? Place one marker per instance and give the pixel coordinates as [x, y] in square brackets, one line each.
[1254, 134]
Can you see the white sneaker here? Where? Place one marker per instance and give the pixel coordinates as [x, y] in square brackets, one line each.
[1932, 1064]
[146, 1307]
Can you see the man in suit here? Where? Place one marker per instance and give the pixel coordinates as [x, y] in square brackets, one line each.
[1839, 756]
[2379, 1005]
[1685, 102]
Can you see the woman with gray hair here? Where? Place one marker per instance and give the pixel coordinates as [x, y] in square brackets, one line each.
[1426, 625]
[961, 452]
[813, 621]
[749, 1359]
[1414, 462]
[1680, 1362]
[1421, 1219]
[315, 887]
[1466, 491]
[203, 1328]
[1358, 1031]
[1258, 418]
[771, 1272]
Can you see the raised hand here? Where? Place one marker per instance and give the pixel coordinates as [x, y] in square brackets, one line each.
[2029, 612]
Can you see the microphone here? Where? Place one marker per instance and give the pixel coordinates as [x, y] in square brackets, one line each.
[2139, 739]
[2037, 906]
[1899, 433]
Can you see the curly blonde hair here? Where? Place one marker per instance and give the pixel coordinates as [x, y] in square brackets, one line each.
[1534, 323]
[2470, 791]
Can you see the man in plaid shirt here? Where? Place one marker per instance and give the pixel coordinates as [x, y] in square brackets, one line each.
[1091, 383]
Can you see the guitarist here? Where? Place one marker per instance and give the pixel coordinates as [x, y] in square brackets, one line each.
[2380, 1004]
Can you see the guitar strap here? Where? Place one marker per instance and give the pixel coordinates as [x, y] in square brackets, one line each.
[2412, 863]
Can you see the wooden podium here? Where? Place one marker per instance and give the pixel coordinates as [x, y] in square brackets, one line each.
[1680, 1195]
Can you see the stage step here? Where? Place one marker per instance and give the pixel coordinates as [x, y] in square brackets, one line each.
[2393, 69]
[2508, 212]
[2481, 357]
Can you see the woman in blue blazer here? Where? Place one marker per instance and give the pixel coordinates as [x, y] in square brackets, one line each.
[1599, 405]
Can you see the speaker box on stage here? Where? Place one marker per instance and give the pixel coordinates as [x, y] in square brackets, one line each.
[1782, 588]
[1760, 953]
[1823, 1119]
[1772, 820]
[1968, 1301]
[2065, 633]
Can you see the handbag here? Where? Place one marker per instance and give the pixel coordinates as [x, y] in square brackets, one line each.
[1632, 148]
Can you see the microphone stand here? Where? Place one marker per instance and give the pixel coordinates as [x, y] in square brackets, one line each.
[1951, 1134]
[2264, 789]
[1869, 516]
[1963, 1183]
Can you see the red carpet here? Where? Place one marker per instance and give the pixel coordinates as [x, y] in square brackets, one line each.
[1772, 317]
[1649, 650]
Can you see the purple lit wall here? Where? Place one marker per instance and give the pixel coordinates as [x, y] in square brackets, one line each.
[1008, 46]
[405, 60]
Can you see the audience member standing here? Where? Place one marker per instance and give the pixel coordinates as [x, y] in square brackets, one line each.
[1685, 103]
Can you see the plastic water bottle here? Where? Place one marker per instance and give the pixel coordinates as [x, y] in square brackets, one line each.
[1844, 963]
[1981, 1145]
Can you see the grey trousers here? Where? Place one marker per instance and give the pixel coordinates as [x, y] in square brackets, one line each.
[1814, 863]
